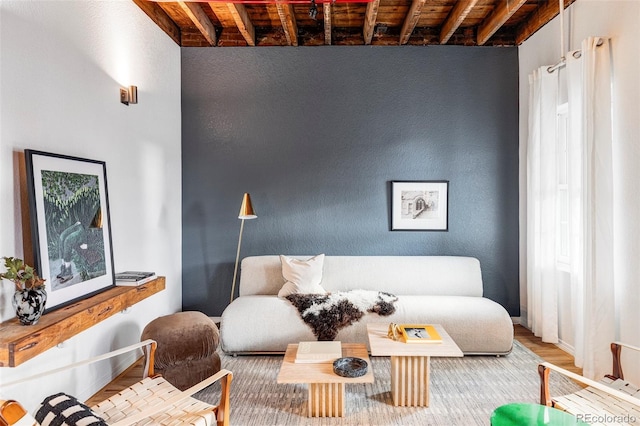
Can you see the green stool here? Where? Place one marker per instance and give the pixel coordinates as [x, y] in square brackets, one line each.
[525, 414]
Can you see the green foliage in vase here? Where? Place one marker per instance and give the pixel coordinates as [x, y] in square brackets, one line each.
[22, 275]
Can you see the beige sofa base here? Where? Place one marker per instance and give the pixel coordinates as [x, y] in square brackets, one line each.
[265, 324]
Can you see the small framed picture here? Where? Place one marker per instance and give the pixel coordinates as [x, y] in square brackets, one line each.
[419, 333]
[70, 226]
[419, 205]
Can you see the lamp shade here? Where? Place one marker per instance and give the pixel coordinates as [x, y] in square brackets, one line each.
[246, 209]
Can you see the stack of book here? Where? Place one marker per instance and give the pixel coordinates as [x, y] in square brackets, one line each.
[134, 278]
[318, 352]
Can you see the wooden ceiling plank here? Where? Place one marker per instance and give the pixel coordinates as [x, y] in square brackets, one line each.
[327, 22]
[289, 25]
[246, 28]
[160, 17]
[370, 18]
[455, 19]
[411, 20]
[538, 18]
[201, 20]
[503, 11]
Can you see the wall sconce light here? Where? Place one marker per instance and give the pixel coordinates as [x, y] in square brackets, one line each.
[129, 95]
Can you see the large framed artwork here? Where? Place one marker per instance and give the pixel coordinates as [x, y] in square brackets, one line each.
[70, 225]
[420, 205]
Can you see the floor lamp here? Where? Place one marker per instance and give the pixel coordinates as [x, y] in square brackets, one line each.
[246, 212]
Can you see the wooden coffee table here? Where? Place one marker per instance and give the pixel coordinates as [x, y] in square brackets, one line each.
[410, 363]
[326, 388]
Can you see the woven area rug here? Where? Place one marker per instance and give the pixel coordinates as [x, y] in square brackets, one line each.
[463, 392]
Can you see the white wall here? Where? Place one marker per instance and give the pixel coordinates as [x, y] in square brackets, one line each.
[619, 21]
[61, 65]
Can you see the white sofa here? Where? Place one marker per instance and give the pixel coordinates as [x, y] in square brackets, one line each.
[444, 290]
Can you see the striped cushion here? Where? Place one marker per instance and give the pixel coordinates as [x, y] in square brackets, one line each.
[65, 410]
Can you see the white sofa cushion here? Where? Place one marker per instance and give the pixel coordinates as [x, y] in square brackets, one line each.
[399, 275]
[301, 276]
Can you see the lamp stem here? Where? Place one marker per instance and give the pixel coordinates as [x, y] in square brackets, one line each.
[235, 269]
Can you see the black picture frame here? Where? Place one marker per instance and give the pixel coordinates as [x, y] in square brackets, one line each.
[420, 205]
[70, 226]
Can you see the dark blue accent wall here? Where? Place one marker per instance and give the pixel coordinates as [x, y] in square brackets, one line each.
[316, 135]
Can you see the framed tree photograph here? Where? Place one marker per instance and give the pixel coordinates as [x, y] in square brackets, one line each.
[70, 226]
[419, 205]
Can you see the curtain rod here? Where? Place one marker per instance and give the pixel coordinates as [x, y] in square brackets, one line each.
[562, 62]
[576, 54]
[562, 57]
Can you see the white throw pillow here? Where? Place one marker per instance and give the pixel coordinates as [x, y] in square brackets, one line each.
[302, 276]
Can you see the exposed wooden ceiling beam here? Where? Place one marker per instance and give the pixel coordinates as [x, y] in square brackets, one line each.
[289, 25]
[538, 18]
[201, 20]
[411, 20]
[160, 17]
[326, 11]
[503, 11]
[245, 26]
[455, 18]
[370, 20]
[191, 23]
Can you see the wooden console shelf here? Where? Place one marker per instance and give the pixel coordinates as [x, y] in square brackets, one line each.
[19, 343]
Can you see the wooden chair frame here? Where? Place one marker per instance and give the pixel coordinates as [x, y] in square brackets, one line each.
[616, 348]
[11, 411]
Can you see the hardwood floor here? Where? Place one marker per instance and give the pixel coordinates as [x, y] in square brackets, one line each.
[546, 351]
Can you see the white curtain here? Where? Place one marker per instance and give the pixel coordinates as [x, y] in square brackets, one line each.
[542, 295]
[591, 204]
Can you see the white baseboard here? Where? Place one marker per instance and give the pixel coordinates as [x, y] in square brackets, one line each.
[566, 347]
[561, 344]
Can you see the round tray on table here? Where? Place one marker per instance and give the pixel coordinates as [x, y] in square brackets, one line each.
[350, 367]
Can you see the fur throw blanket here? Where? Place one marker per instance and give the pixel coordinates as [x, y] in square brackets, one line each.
[327, 313]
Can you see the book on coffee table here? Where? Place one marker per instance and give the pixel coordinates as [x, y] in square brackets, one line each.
[419, 333]
[318, 352]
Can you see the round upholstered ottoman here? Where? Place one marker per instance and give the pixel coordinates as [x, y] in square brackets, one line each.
[187, 343]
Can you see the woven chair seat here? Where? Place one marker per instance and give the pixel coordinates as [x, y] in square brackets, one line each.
[156, 391]
[609, 401]
[601, 405]
[151, 401]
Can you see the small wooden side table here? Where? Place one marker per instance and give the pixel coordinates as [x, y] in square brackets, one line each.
[410, 363]
[326, 388]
